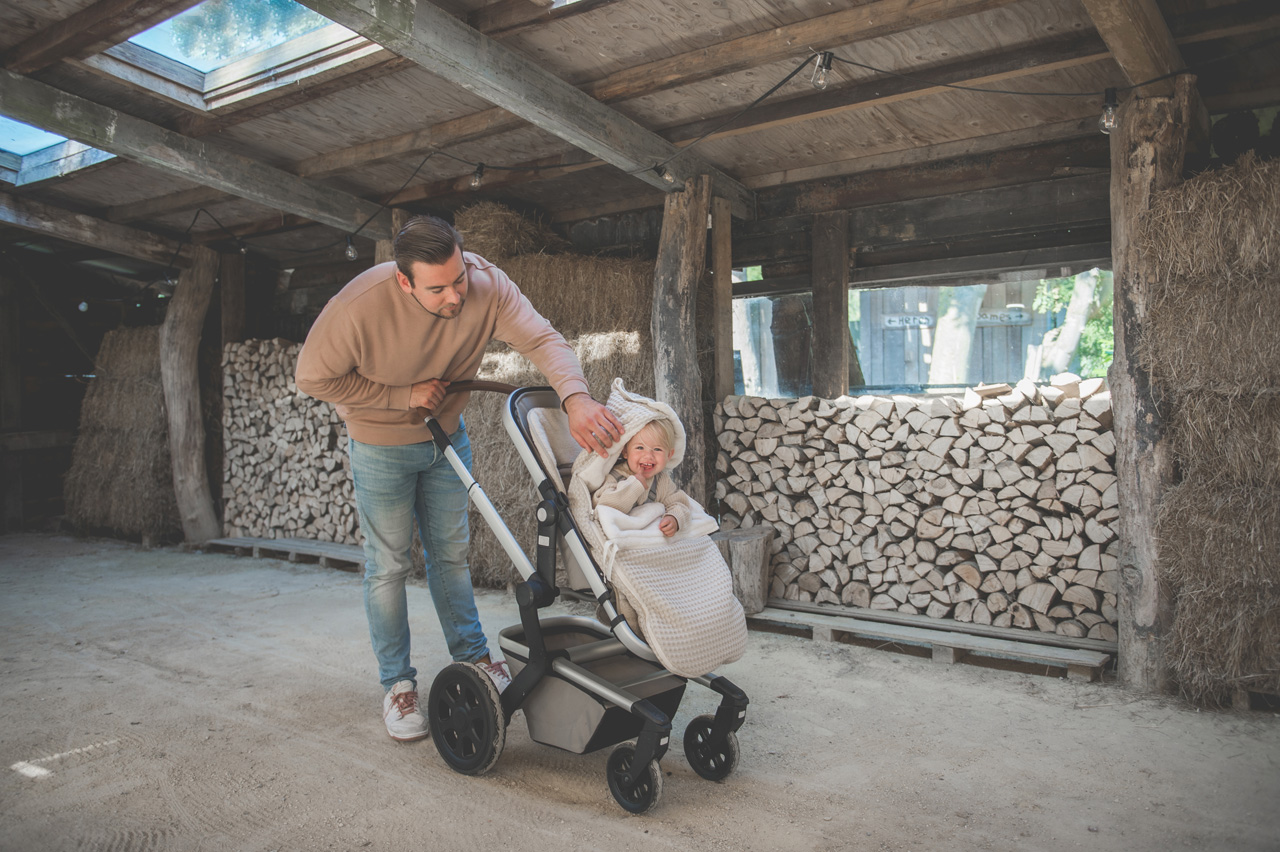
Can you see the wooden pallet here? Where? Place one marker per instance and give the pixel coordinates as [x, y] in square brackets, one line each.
[348, 557]
[947, 646]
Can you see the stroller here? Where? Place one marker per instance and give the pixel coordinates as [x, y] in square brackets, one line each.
[583, 686]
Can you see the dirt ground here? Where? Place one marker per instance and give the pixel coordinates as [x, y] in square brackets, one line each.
[159, 699]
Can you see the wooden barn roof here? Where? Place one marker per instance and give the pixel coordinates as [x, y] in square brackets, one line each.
[589, 111]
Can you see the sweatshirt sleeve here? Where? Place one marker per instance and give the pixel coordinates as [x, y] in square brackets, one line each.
[674, 499]
[328, 362]
[619, 492]
[530, 334]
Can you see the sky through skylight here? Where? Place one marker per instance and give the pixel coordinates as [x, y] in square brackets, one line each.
[22, 139]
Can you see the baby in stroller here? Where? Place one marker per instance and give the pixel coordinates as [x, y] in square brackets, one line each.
[652, 541]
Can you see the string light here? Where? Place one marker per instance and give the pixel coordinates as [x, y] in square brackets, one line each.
[664, 173]
[1107, 122]
[822, 69]
[351, 253]
[478, 177]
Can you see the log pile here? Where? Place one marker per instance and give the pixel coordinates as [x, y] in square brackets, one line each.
[286, 473]
[996, 508]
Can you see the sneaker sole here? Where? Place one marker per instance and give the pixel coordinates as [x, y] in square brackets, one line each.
[412, 739]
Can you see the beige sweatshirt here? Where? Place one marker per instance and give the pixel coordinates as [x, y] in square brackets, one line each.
[373, 341]
[623, 490]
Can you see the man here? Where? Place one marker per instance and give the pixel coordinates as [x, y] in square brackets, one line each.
[384, 350]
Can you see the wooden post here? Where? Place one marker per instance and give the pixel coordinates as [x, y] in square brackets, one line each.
[682, 258]
[10, 403]
[384, 250]
[830, 249]
[179, 374]
[1147, 152]
[231, 293]
[722, 296]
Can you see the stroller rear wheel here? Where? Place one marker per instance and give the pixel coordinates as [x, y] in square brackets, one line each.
[464, 713]
[713, 761]
[636, 791]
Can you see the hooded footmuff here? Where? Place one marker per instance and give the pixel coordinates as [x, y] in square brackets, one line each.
[678, 587]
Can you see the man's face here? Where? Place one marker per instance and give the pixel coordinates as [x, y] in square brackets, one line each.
[441, 289]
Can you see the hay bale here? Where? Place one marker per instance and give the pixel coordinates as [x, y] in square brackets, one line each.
[121, 476]
[1221, 439]
[585, 295]
[1214, 242]
[496, 464]
[1220, 552]
[496, 232]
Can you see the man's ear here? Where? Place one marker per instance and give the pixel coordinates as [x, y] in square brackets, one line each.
[403, 280]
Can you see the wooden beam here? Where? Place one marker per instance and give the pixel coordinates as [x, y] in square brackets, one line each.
[231, 299]
[180, 377]
[868, 21]
[163, 205]
[454, 51]
[76, 118]
[88, 231]
[722, 298]
[677, 380]
[830, 244]
[1139, 39]
[89, 31]
[384, 250]
[11, 499]
[1147, 150]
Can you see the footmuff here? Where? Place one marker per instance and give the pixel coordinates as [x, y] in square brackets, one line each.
[678, 587]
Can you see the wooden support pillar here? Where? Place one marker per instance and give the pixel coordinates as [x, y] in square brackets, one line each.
[180, 377]
[722, 297]
[231, 298]
[384, 250]
[682, 259]
[1147, 154]
[830, 249]
[11, 497]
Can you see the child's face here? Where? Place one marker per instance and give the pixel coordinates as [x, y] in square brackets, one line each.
[645, 453]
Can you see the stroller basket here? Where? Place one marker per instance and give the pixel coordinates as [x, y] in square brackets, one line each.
[583, 685]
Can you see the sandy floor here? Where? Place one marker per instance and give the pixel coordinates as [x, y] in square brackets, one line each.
[155, 699]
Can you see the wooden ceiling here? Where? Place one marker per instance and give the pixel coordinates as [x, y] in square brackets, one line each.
[576, 110]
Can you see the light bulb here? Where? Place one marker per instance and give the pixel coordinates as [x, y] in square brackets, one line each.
[351, 252]
[664, 173]
[478, 177]
[822, 69]
[1107, 122]
[83, 306]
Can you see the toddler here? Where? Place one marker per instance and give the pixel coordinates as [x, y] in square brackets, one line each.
[640, 476]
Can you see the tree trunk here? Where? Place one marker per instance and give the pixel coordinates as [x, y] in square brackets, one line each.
[682, 252]
[1147, 153]
[1058, 351]
[953, 340]
[179, 374]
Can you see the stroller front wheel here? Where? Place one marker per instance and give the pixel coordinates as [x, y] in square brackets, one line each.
[713, 761]
[464, 713]
[636, 789]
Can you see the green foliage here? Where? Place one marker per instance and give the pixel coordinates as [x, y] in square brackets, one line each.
[1053, 295]
[233, 28]
[755, 273]
[1097, 342]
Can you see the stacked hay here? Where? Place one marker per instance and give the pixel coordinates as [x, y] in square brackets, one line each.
[496, 232]
[121, 477]
[1214, 348]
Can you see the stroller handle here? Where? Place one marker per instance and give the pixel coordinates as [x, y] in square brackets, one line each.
[479, 385]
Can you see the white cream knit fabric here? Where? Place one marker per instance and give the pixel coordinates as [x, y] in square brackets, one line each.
[680, 587]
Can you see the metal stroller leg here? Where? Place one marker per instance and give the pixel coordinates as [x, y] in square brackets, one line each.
[531, 595]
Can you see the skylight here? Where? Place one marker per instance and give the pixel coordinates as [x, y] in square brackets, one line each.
[217, 32]
[22, 139]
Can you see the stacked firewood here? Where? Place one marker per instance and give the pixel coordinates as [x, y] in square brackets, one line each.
[286, 472]
[998, 507]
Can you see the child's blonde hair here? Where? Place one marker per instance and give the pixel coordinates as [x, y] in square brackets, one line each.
[661, 429]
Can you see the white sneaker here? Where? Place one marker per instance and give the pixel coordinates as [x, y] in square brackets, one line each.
[497, 673]
[405, 721]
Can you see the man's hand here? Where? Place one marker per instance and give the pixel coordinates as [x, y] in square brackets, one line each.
[592, 425]
[427, 395]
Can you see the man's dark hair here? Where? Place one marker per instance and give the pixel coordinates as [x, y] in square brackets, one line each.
[428, 239]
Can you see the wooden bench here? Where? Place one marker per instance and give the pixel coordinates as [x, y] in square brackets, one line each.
[348, 557]
[947, 646]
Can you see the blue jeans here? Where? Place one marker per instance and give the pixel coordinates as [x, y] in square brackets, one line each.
[395, 485]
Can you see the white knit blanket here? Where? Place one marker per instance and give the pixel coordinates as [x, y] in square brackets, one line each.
[680, 587]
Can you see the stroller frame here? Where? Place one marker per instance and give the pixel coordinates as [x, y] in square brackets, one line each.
[583, 686]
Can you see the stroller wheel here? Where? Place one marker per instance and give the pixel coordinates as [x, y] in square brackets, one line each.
[713, 761]
[639, 791]
[466, 720]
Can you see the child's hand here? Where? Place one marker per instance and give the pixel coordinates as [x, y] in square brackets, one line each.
[668, 525]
